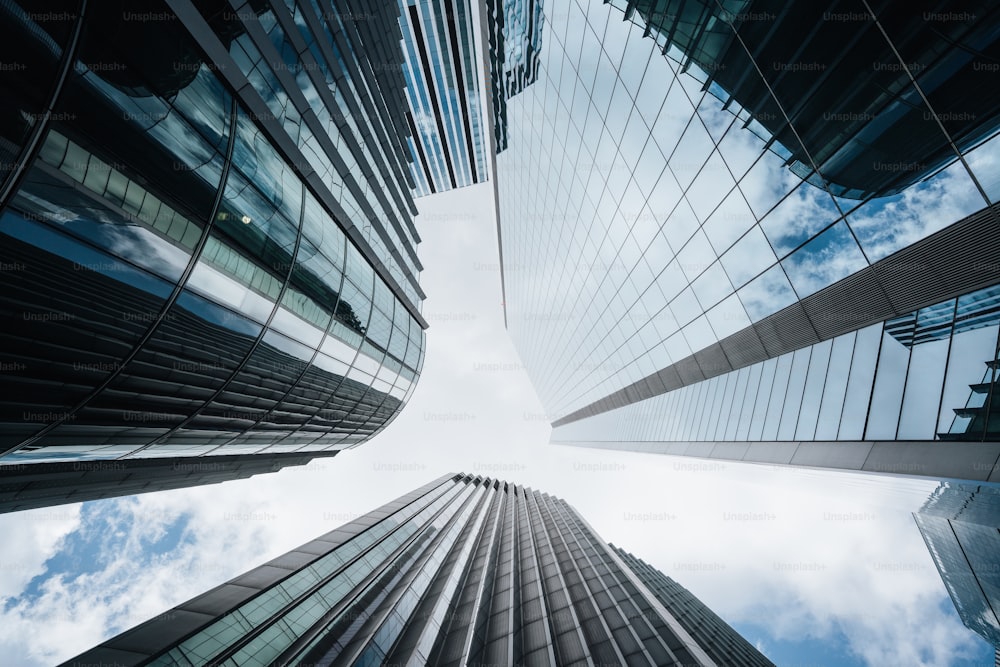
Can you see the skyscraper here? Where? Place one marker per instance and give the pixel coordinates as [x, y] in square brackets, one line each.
[465, 570]
[208, 246]
[448, 143]
[720, 641]
[724, 242]
[961, 526]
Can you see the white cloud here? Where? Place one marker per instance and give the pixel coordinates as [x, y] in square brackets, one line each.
[30, 539]
[801, 553]
[917, 212]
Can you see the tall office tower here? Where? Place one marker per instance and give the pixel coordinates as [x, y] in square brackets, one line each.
[720, 641]
[961, 526]
[207, 241]
[761, 231]
[448, 143]
[463, 571]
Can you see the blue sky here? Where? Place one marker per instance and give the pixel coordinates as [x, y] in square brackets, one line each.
[834, 651]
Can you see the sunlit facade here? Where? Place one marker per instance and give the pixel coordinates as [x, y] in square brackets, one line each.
[687, 274]
[207, 245]
[463, 571]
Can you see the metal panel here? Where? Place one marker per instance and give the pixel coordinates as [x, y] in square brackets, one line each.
[770, 452]
[221, 599]
[730, 451]
[957, 460]
[712, 361]
[842, 455]
[153, 634]
[743, 348]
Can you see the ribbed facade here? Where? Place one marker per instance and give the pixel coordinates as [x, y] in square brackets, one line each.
[206, 231]
[714, 246]
[448, 143]
[464, 571]
[720, 641]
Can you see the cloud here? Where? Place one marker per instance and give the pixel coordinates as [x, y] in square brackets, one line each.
[30, 539]
[886, 225]
[835, 557]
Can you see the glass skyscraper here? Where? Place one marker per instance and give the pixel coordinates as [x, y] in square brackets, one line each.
[206, 240]
[448, 143]
[961, 526]
[463, 571]
[723, 241]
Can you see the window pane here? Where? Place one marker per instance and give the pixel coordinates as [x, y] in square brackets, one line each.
[887, 396]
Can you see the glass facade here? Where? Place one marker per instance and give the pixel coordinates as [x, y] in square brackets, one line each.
[896, 62]
[515, 30]
[207, 231]
[914, 377]
[465, 570]
[961, 527]
[448, 141]
[682, 265]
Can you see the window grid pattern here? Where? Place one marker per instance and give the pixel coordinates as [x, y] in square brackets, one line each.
[446, 108]
[958, 524]
[726, 646]
[928, 375]
[679, 224]
[268, 61]
[516, 30]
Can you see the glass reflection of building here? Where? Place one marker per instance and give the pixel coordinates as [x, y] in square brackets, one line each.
[208, 248]
[448, 143]
[699, 262]
[515, 29]
[840, 105]
[979, 417]
[961, 526]
[462, 571]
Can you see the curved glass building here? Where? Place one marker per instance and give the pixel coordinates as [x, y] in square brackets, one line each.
[875, 96]
[206, 237]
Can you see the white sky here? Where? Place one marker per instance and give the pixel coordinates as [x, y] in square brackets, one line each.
[755, 543]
